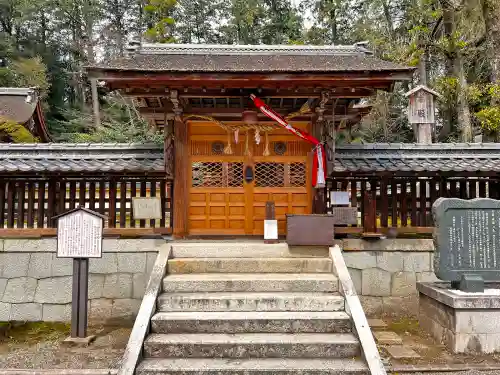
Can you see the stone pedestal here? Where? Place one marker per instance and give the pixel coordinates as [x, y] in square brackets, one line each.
[464, 322]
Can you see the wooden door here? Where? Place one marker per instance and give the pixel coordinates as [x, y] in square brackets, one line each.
[221, 202]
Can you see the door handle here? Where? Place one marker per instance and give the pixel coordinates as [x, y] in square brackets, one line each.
[248, 174]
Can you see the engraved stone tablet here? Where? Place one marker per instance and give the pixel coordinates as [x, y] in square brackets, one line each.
[79, 234]
[146, 208]
[467, 238]
[345, 215]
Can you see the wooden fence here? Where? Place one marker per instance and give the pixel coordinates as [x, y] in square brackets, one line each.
[403, 205]
[31, 203]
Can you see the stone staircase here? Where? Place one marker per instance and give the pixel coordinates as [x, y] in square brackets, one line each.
[245, 309]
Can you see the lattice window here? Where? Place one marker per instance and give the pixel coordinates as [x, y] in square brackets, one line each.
[234, 174]
[207, 174]
[269, 175]
[297, 174]
[217, 174]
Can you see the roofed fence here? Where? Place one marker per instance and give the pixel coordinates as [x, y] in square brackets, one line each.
[38, 182]
[393, 186]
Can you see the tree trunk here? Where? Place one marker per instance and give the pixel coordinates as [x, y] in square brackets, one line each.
[463, 112]
[449, 63]
[422, 68]
[491, 14]
[388, 19]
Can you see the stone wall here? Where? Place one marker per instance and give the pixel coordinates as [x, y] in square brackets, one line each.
[36, 285]
[385, 272]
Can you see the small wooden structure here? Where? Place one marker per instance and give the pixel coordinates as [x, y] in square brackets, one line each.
[421, 112]
[22, 106]
[225, 165]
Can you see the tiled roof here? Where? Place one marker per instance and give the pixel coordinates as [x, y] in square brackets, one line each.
[442, 157]
[446, 157]
[67, 157]
[17, 104]
[249, 58]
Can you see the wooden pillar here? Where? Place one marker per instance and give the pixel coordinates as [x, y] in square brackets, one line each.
[318, 123]
[181, 165]
[319, 200]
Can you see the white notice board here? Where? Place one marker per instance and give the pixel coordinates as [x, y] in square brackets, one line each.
[270, 229]
[146, 208]
[339, 198]
[79, 235]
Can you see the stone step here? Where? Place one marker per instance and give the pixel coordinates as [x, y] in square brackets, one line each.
[252, 345]
[260, 366]
[251, 249]
[251, 322]
[249, 265]
[251, 282]
[252, 301]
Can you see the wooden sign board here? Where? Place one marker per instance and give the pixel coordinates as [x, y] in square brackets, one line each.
[421, 109]
[146, 208]
[79, 234]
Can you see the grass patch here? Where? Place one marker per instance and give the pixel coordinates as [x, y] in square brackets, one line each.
[34, 332]
[403, 325]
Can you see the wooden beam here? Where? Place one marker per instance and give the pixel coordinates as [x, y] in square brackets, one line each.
[228, 80]
[359, 92]
[52, 232]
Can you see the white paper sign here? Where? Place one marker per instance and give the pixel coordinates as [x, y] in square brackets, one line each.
[146, 208]
[270, 229]
[79, 235]
[339, 198]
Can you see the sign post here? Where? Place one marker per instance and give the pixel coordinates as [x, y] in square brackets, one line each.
[79, 236]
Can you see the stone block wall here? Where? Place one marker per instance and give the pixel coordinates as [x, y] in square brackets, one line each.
[36, 285]
[385, 272]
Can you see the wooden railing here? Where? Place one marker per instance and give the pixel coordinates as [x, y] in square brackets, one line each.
[31, 203]
[403, 205]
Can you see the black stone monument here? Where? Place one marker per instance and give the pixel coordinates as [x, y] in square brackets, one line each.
[467, 242]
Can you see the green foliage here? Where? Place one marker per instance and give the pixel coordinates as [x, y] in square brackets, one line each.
[16, 132]
[120, 122]
[160, 21]
[46, 43]
[489, 118]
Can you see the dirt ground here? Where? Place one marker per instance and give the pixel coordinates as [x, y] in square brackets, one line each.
[432, 353]
[39, 346]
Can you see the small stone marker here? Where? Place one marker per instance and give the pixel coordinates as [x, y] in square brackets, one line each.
[401, 352]
[377, 324]
[79, 236]
[146, 208]
[387, 338]
[467, 241]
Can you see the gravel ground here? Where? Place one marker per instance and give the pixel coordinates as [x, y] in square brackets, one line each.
[36, 348]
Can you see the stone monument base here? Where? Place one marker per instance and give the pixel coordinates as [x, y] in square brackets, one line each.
[463, 322]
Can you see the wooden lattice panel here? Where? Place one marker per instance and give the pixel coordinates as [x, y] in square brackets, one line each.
[216, 174]
[269, 175]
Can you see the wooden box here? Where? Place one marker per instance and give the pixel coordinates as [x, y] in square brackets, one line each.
[312, 230]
